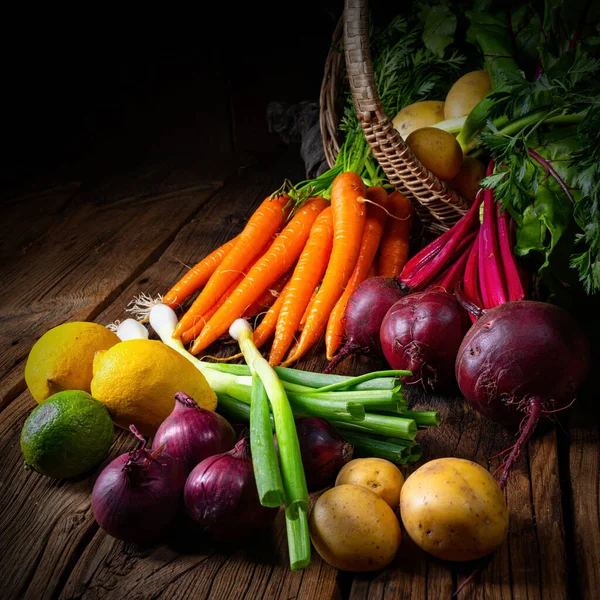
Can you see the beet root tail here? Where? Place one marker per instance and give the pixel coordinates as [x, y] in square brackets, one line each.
[346, 351]
[533, 416]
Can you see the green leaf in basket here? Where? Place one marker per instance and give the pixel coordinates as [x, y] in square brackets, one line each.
[439, 27]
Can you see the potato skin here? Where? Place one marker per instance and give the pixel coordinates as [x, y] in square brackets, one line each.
[454, 509]
[417, 115]
[376, 474]
[353, 529]
[437, 150]
[467, 182]
[466, 93]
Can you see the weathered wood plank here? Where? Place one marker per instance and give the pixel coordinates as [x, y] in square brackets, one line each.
[42, 520]
[583, 463]
[30, 215]
[81, 262]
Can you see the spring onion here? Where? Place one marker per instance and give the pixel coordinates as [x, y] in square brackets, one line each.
[292, 471]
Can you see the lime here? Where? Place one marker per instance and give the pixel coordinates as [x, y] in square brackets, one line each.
[67, 435]
[62, 358]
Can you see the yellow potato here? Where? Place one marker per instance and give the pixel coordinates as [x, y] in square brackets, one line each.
[437, 150]
[454, 509]
[417, 115]
[467, 182]
[466, 93]
[353, 529]
[377, 474]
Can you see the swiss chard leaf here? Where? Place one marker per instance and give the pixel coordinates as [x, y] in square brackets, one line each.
[490, 32]
[439, 27]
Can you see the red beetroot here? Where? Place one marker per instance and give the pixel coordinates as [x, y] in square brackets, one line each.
[422, 333]
[366, 308]
[519, 362]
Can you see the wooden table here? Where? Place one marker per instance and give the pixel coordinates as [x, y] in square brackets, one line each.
[81, 250]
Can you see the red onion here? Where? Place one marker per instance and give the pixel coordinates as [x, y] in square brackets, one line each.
[323, 451]
[221, 498]
[138, 494]
[191, 434]
[422, 333]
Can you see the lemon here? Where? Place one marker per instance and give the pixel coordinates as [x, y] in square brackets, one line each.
[138, 379]
[67, 435]
[62, 358]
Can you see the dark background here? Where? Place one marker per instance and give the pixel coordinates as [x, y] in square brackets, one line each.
[110, 89]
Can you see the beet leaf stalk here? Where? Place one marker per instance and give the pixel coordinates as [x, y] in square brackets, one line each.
[455, 240]
[514, 285]
[491, 276]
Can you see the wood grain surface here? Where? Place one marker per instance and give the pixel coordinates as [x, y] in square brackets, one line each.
[90, 252]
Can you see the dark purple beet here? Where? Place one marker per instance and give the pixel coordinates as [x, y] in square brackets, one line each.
[521, 361]
[366, 308]
[422, 333]
[519, 350]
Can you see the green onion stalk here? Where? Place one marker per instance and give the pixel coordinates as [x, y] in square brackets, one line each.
[292, 471]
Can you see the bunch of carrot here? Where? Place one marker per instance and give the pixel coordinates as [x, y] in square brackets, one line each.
[301, 265]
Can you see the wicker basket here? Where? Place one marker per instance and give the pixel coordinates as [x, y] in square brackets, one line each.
[437, 206]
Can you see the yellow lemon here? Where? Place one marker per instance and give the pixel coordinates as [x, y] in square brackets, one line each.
[62, 358]
[138, 379]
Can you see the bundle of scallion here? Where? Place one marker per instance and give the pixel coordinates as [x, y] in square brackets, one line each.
[370, 411]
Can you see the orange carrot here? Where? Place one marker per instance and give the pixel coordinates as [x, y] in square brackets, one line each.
[266, 328]
[261, 227]
[194, 331]
[307, 311]
[307, 274]
[372, 269]
[282, 254]
[197, 276]
[374, 226]
[394, 246]
[348, 210]
[268, 297]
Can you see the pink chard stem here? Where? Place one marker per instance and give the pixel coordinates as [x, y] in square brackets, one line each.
[513, 279]
[491, 277]
[471, 277]
[442, 258]
[451, 275]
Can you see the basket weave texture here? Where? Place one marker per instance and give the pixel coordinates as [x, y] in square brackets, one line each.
[437, 206]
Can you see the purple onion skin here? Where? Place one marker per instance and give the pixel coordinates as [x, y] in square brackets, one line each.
[138, 495]
[365, 310]
[191, 433]
[422, 333]
[221, 498]
[323, 451]
[518, 351]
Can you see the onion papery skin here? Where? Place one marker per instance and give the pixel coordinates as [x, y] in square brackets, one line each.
[191, 433]
[221, 497]
[136, 498]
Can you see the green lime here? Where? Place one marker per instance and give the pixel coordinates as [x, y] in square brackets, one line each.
[66, 435]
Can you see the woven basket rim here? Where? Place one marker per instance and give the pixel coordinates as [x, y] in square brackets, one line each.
[436, 204]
